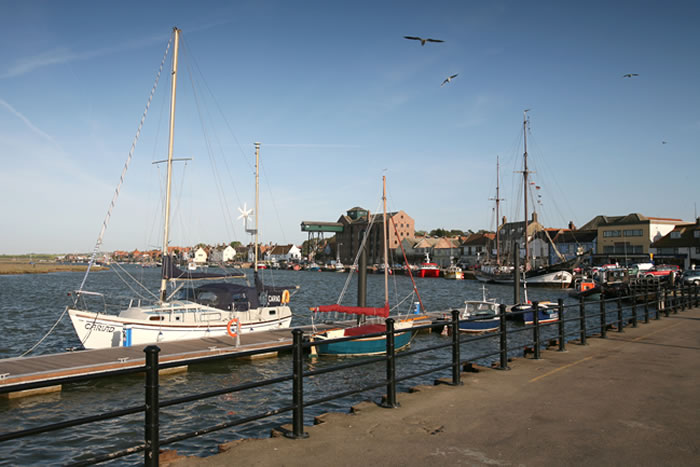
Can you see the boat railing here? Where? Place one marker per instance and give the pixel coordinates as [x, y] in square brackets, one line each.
[577, 321]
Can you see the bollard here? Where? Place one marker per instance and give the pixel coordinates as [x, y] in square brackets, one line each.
[503, 331]
[603, 320]
[619, 314]
[456, 363]
[634, 311]
[297, 386]
[151, 418]
[562, 335]
[657, 300]
[582, 320]
[695, 293]
[536, 328]
[390, 400]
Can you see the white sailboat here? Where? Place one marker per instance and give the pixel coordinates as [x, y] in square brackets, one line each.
[209, 310]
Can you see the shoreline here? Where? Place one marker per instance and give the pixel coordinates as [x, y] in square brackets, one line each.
[11, 268]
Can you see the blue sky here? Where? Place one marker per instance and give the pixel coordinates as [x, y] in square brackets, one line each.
[339, 98]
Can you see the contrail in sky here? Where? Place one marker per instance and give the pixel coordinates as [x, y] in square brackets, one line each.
[28, 123]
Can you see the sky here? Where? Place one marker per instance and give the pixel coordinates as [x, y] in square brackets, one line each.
[338, 98]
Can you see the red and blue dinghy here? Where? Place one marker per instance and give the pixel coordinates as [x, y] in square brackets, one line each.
[367, 343]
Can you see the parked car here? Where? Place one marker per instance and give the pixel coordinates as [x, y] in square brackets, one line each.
[692, 277]
[662, 270]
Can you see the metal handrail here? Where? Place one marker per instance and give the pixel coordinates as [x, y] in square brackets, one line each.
[658, 299]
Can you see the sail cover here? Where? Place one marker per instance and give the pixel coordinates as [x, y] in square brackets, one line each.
[171, 271]
[354, 310]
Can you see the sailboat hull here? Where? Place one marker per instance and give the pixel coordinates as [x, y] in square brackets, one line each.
[363, 346]
[98, 330]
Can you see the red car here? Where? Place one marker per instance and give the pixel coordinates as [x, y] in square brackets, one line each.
[662, 270]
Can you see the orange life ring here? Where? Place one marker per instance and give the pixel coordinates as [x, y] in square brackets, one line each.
[285, 297]
[228, 327]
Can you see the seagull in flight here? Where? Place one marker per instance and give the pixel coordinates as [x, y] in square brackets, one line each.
[629, 75]
[422, 41]
[448, 79]
[664, 142]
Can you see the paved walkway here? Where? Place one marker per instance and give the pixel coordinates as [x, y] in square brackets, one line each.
[630, 399]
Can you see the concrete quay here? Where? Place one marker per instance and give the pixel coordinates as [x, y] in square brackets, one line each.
[629, 399]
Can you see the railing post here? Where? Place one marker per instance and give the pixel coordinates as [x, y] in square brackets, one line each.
[675, 300]
[646, 303]
[536, 328]
[297, 386]
[619, 314]
[603, 319]
[666, 303]
[561, 324]
[657, 299]
[151, 423]
[456, 359]
[684, 298]
[582, 320]
[390, 400]
[695, 292]
[503, 334]
[634, 310]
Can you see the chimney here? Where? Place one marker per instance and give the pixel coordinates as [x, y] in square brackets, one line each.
[571, 225]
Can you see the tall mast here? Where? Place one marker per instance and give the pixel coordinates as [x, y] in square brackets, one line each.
[257, 200]
[176, 44]
[386, 247]
[525, 173]
[498, 200]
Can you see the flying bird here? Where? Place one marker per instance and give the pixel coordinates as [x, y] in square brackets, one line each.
[664, 142]
[422, 41]
[629, 75]
[448, 79]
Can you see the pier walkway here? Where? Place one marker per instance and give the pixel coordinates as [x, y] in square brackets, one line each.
[630, 399]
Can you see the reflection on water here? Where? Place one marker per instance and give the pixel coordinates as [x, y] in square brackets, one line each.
[31, 304]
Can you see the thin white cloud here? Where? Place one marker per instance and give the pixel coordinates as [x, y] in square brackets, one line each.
[62, 55]
[29, 124]
[310, 145]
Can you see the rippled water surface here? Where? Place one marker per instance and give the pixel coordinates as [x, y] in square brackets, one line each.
[31, 305]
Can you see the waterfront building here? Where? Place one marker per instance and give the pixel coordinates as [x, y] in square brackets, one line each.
[357, 220]
[478, 248]
[510, 232]
[680, 246]
[280, 253]
[627, 239]
[573, 242]
[201, 256]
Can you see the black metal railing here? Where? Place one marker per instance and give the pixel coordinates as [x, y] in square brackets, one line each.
[575, 323]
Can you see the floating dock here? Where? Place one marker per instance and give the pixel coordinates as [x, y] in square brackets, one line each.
[42, 368]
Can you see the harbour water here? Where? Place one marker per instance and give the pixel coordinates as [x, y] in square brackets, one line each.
[31, 305]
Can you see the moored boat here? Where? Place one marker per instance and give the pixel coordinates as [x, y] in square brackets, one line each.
[212, 310]
[453, 272]
[365, 342]
[480, 315]
[427, 268]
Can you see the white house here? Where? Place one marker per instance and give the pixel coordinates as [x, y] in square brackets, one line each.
[280, 253]
[200, 256]
[229, 254]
